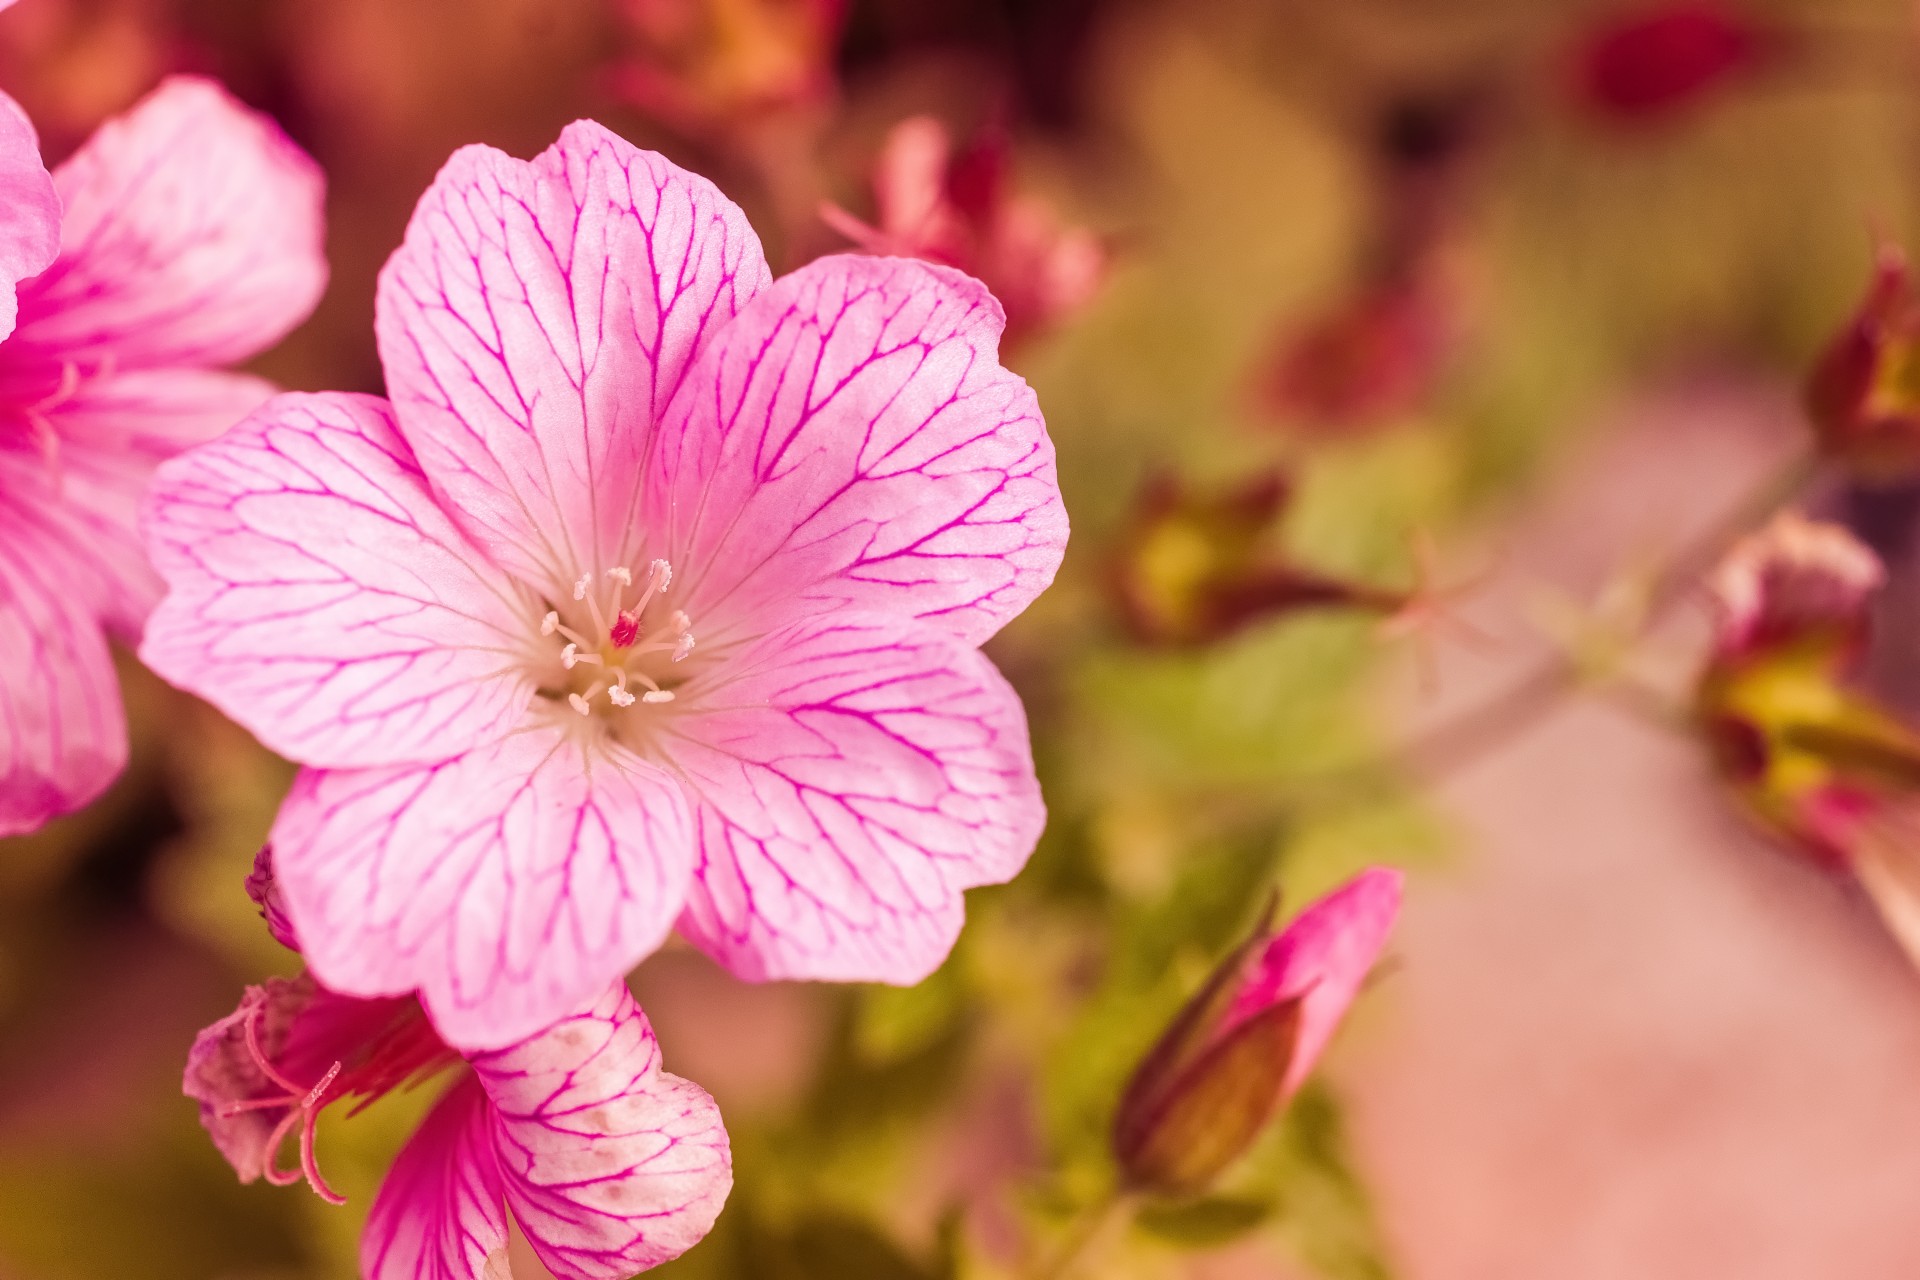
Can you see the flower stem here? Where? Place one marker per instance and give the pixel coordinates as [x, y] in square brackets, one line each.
[1086, 1232]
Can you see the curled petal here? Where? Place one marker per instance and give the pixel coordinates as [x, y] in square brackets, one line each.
[29, 208]
[535, 322]
[507, 886]
[851, 442]
[852, 777]
[320, 596]
[63, 736]
[441, 1213]
[192, 236]
[611, 1165]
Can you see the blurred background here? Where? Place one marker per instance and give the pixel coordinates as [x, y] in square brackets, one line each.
[1390, 348]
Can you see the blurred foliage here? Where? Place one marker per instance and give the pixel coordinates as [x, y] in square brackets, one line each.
[1231, 152]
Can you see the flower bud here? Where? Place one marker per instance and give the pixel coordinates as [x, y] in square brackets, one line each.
[1248, 1039]
[1815, 762]
[1195, 568]
[1864, 393]
[1652, 65]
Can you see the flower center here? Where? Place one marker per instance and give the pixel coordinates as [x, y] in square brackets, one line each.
[613, 651]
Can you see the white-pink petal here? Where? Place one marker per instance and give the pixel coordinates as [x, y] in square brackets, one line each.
[611, 1164]
[441, 1212]
[853, 776]
[193, 235]
[112, 432]
[508, 886]
[851, 442]
[63, 736]
[29, 208]
[535, 323]
[320, 597]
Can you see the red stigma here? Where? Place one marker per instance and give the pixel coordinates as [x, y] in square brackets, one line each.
[626, 629]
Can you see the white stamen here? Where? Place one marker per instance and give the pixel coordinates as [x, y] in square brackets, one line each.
[659, 574]
[550, 623]
[579, 704]
[619, 697]
[571, 657]
[580, 587]
[679, 623]
[685, 647]
[657, 695]
[621, 574]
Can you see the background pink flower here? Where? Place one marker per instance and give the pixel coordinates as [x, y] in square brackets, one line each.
[190, 239]
[653, 595]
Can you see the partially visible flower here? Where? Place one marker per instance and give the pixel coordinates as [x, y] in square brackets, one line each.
[710, 66]
[1652, 64]
[1818, 763]
[1374, 357]
[609, 1164]
[653, 596]
[1195, 567]
[190, 240]
[1864, 392]
[1249, 1039]
[957, 209]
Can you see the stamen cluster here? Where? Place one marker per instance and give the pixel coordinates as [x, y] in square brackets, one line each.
[617, 642]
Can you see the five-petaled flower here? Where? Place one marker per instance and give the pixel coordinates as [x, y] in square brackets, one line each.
[609, 1164]
[183, 237]
[654, 594]
[1249, 1038]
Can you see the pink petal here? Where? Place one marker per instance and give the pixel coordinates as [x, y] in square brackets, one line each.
[853, 776]
[507, 886]
[611, 1165]
[1323, 956]
[320, 597]
[111, 432]
[29, 209]
[536, 321]
[441, 1213]
[63, 736]
[193, 235]
[851, 442]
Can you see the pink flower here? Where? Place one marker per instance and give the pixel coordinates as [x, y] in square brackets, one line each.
[191, 239]
[653, 595]
[1249, 1039]
[957, 210]
[609, 1164]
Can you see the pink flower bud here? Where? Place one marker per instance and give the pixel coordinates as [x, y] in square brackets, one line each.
[1249, 1038]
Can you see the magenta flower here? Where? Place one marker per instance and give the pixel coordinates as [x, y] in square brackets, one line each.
[653, 595]
[190, 239]
[609, 1164]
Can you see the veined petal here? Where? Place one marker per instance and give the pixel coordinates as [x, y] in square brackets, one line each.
[507, 886]
[320, 597]
[851, 442]
[63, 736]
[852, 777]
[111, 433]
[192, 236]
[611, 1165]
[29, 208]
[1322, 958]
[441, 1213]
[535, 322]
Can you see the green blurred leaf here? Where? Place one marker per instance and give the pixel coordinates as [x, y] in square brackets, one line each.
[1205, 1223]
